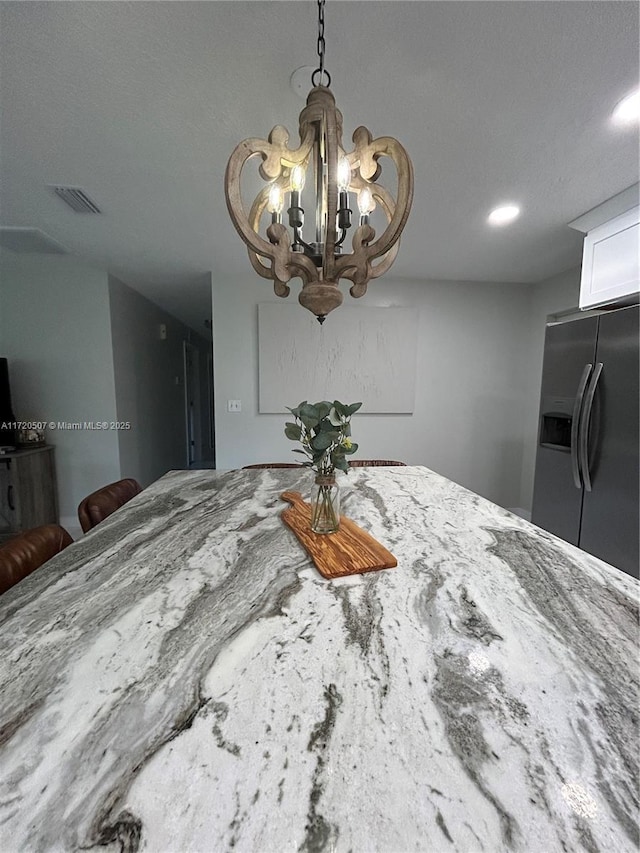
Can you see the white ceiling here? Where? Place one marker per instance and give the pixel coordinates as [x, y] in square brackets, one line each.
[141, 104]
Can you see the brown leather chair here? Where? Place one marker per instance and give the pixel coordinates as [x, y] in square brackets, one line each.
[274, 465]
[100, 504]
[27, 551]
[374, 463]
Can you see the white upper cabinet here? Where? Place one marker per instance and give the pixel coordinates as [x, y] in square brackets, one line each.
[611, 253]
[611, 261]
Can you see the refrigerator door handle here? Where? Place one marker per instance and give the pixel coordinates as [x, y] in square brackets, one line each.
[584, 426]
[575, 425]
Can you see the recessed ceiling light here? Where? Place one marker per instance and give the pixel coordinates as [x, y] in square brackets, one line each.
[504, 214]
[628, 110]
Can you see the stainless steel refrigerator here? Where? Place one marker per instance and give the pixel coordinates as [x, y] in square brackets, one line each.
[587, 479]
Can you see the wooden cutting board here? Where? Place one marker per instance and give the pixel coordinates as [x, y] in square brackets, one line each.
[348, 551]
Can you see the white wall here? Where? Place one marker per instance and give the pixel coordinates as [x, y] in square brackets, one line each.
[55, 331]
[471, 394]
[149, 384]
[559, 293]
[478, 378]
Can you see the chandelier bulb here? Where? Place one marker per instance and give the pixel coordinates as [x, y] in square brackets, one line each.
[344, 174]
[297, 179]
[275, 202]
[365, 201]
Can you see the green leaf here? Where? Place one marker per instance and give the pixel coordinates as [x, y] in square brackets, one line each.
[327, 426]
[309, 410]
[350, 450]
[340, 408]
[297, 450]
[346, 430]
[340, 463]
[292, 431]
[352, 409]
[322, 441]
[334, 418]
[322, 409]
[309, 416]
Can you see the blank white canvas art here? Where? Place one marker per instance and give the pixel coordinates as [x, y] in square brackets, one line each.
[363, 355]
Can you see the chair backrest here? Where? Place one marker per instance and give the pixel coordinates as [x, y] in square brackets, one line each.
[27, 551]
[274, 465]
[100, 504]
[373, 463]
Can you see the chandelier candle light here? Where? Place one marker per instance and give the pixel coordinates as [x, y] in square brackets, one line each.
[280, 253]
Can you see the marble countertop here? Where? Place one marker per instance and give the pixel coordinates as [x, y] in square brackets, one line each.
[182, 679]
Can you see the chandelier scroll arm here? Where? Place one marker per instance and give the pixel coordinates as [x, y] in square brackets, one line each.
[257, 209]
[357, 266]
[281, 242]
[275, 156]
[243, 152]
[297, 267]
[280, 288]
[285, 264]
[386, 146]
[359, 283]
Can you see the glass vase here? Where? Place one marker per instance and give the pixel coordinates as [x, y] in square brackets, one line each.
[325, 504]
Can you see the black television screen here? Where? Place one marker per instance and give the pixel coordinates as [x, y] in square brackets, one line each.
[8, 436]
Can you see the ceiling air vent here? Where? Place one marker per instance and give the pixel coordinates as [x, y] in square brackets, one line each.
[76, 198]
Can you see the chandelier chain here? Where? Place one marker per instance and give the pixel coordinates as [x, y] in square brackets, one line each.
[321, 71]
[321, 42]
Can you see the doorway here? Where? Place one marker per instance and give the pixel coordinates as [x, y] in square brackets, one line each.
[192, 400]
[198, 401]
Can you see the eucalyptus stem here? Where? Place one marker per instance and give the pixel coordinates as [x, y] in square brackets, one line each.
[324, 508]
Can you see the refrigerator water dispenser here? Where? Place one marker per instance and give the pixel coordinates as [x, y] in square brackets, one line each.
[555, 423]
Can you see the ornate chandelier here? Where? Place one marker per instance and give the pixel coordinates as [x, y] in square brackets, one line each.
[320, 164]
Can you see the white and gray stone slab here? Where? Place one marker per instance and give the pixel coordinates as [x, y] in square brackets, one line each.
[182, 680]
